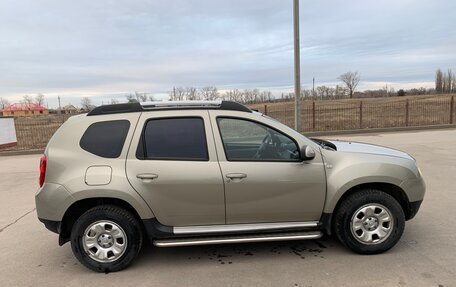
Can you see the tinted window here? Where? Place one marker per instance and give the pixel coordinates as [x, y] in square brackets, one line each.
[175, 139]
[105, 139]
[245, 140]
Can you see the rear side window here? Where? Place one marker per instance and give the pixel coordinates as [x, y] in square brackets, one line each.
[105, 139]
[174, 139]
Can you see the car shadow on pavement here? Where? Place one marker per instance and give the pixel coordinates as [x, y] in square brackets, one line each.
[227, 254]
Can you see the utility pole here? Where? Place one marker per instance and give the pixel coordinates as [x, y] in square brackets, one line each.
[297, 67]
[60, 108]
[313, 87]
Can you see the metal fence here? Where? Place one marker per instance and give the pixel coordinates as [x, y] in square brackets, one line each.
[355, 114]
[33, 133]
[316, 116]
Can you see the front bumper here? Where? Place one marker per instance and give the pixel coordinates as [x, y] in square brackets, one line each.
[414, 188]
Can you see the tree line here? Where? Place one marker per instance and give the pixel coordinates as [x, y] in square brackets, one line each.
[210, 93]
[26, 100]
[445, 82]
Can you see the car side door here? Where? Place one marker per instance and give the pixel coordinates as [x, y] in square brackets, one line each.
[172, 163]
[265, 179]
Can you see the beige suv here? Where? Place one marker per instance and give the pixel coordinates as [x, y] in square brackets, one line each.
[191, 173]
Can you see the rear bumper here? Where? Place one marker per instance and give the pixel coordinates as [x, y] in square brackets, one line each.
[52, 200]
[51, 225]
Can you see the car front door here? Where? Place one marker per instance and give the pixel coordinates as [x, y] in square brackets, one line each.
[173, 164]
[265, 180]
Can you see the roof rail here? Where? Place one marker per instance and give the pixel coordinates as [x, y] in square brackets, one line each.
[116, 109]
[180, 104]
[167, 105]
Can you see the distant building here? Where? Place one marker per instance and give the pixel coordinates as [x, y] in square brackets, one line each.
[68, 110]
[87, 109]
[24, 110]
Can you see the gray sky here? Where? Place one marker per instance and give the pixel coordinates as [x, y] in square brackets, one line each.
[106, 48]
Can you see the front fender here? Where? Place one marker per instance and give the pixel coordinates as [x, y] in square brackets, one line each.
[347, 170]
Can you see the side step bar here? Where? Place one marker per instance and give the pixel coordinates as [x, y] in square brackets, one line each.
[237, 239]
[244, 227]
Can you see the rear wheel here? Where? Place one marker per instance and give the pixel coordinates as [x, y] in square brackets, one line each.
[106, 238]
[369, 221]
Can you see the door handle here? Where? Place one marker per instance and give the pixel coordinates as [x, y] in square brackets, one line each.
[147, 176]
[236, 175]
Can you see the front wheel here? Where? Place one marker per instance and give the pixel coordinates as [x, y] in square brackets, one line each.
[369, 221]
[106, 238]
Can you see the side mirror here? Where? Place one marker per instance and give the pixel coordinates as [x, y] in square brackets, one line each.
[307, 153]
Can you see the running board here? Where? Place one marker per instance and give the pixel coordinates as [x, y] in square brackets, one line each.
[237, 239]
[243, 227]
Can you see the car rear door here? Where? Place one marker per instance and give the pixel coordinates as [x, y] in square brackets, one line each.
[268, 184]
[172, 163]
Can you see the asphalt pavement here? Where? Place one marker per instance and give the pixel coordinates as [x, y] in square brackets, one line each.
[425, 256]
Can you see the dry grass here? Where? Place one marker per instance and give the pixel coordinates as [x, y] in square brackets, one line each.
[35, 132]
[351, 114]
[328, 115]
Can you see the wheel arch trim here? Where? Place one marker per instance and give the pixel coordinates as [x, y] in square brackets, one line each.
[78, 207]
[389, 188]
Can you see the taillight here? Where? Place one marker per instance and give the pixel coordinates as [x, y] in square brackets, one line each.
[42, 169]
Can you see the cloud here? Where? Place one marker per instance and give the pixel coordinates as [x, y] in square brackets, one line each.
[104, 48]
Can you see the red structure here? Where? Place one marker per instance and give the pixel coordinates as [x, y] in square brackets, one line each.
[22, 109]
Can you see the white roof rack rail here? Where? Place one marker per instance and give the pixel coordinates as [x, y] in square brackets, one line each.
[171, 104]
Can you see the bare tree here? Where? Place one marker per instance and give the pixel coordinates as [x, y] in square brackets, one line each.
[450, 77]
[306, 94]
[27, 100]
[209, 93]
[39, 99]
[340, 92]
[351, 81]
[453, 81]
[325, 92]
[191, 94]
[439, 81]
[131, 98]
[151, 98]
[265, 96]
[114, 101]
[248, 96]
[177, 94]
[141, 97]
[251, 96]
[234, 95]
[4, 103]
[228, 96]
[86, 103]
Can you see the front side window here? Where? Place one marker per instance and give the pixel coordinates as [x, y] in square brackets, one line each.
[246, 140]
[174, 139]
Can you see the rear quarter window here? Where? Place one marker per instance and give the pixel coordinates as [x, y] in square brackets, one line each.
[105, 139]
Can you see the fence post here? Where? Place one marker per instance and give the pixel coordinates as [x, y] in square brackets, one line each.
[313, 115]
[360, 114]
[406, 112]
[452, 110]
[266, 110]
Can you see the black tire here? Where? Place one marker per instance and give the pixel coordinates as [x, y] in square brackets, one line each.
[346, 210]
[122, 218]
